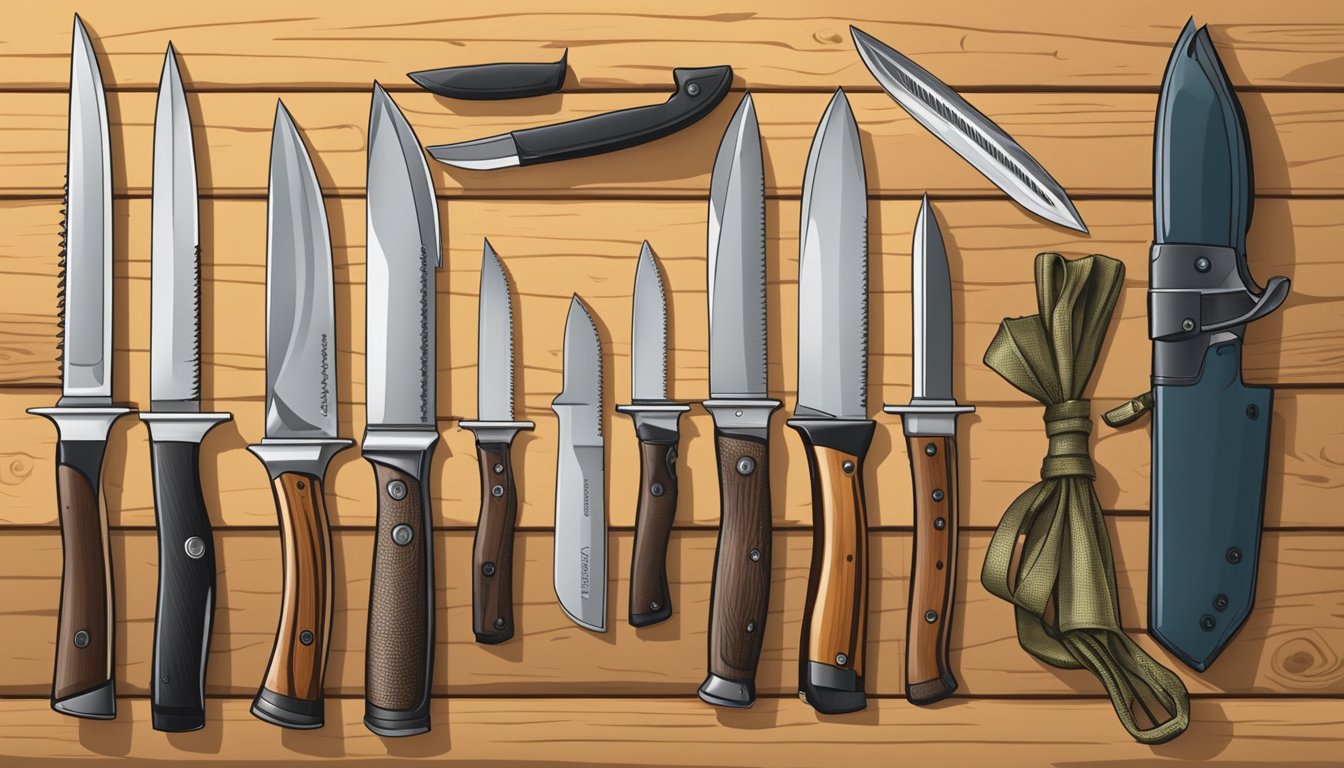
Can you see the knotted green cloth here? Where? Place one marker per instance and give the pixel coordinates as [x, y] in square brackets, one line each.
[1067, 611]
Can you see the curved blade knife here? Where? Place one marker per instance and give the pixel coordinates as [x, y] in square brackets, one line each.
[83, 684]
[930, 424]
[657, 425]
[741, 406]
[403, 253]
[831, 416]
[301, 431]
[185, 610]
[580, 477]
[967, 131]
[495, 429]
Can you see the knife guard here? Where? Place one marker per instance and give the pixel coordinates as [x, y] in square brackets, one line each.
[835, 619]
[82, 681]
[492, 550]
[494, 81]
[400, 651]
[657, 427]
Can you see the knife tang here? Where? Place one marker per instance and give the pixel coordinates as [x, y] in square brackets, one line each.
[400, 653]
[657, 429]
[492, 551]
[933, 469]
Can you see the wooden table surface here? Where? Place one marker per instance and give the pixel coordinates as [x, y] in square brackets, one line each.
[1075, 83]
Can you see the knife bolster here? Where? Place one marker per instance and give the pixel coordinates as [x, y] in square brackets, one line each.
[748, 419]
[181, 427]
[305, 457]
[496, 431]
[655, 423]
[831, 690]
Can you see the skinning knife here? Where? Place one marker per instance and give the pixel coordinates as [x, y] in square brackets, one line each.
[930, 424]
[656, 424]
[403, 254]
[495, 429]
[832, 411]
[301, 430]
[740, 403]
[580, 477]
[82, 684]
[186, 602]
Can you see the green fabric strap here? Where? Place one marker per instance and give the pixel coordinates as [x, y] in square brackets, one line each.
[1064, 591]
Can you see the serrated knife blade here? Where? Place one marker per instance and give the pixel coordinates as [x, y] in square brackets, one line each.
[648, 340]
[494, 355]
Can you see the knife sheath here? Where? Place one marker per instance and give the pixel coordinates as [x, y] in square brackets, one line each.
[492, 551]
[928, 637]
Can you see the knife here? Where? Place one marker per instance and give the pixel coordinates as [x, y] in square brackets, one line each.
[967, 131]
[580, 477]
[656, 425]
[831, 416]
[492, 553]
[301, 432]
[1210, 431]
[82, 684]
[403, 253]
[930, 424]
[186, 602]
[741, 406]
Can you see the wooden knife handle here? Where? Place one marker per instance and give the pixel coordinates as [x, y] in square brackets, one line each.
[492, 554]
[835, 616]
[933, 467]
[650, 597]
[291, 694]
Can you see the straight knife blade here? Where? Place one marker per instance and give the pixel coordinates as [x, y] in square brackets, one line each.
[931, 299]
[494, 356]
[648, 346]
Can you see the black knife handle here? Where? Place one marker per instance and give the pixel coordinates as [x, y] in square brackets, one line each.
[698, 92]
[400, 651]
[492, 552]
[650, 598]
[494, 81]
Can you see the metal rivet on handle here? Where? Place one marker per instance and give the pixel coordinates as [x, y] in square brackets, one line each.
[81, 639]
[745, 465]
[848, 467]
[300, 485]
[840, 659]
[755, 555]
[1221, 602]
[1202, 264]
[396, 489]
[938, 494]
[693, 89]
[1234, 555]
[499, 623]
[653, 606]
[499, 468]
[306, 637]
[402, 535]
[939, 523]
[656, 489]
[1207, 623]
[195, 547]
[497, 491]
[930, 616]
[1252, 412]
[930, 449]
[751, 626]
[1188, 324]
[488, 569]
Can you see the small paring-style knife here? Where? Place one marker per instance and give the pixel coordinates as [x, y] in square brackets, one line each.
[495, 429]
[656, 420]
[930, 424]
[301, 426]
[185, 609]
[740, 404]
[580, 477]
[831, 416]
[82, 684]
[404, 252]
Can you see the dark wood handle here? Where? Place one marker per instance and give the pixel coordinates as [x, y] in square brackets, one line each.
[650, 598]
[933, 467]
[82, 685]
[291, 694]
[492, 554]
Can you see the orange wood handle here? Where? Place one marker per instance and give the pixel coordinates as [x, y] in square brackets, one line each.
[933, 467]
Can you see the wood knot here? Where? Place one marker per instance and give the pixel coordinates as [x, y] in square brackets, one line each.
[828, 37]
[15, 468]
[1306, 661]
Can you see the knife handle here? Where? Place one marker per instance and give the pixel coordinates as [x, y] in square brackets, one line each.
[835, 617]
[650, 597]
[492, 553]
[400, 655]
[933, 468]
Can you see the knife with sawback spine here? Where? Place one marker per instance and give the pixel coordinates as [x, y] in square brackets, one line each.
[741, 407]
[82, 684]
[301, 428]
[656, 425]
[403, 253]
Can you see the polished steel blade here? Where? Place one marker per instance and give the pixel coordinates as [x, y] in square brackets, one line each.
[648, 337]
[300, 302]
[403, 253]
[86, 297]
[494, 355]
[737, 350]
[583, 372]
[175, 308]
[931, 295]
[833, 272]
[968, 132]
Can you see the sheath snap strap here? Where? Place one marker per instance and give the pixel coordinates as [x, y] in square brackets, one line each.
[1063, 586]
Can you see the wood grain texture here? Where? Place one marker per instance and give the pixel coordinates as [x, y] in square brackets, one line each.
[835, 616]
[933, 569]
[656, 511]
[85, 600]
[492, 550]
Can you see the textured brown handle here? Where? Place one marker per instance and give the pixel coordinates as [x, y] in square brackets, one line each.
[933, 467]
[835, 616]
[650, 598]
[492, 555]
[84, 634]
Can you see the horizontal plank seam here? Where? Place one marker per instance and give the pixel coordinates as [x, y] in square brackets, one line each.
[394, 87]
[1222, 696]
[30, 197]
[779, 527]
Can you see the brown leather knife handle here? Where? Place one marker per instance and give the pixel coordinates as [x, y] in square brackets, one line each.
[291, 694]
[650, 597]
[492, 554]
[835, 616]
[933, 467]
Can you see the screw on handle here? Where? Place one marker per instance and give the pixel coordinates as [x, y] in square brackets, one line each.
[492, 552]
[650, 595]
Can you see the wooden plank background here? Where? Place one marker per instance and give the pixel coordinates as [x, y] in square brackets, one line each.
[1075, 83]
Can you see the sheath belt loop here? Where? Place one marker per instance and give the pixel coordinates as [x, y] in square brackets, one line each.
[1068, 425]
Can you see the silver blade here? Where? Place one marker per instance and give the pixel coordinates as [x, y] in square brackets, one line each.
[175, 310]
[86, 358]
[737, 362]
[968, 132]
[403, 252]
[479, 154]
[300, 303]
[833, 271]
[494, 355]
[583, 372]
[931, 294]
[648, 337]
